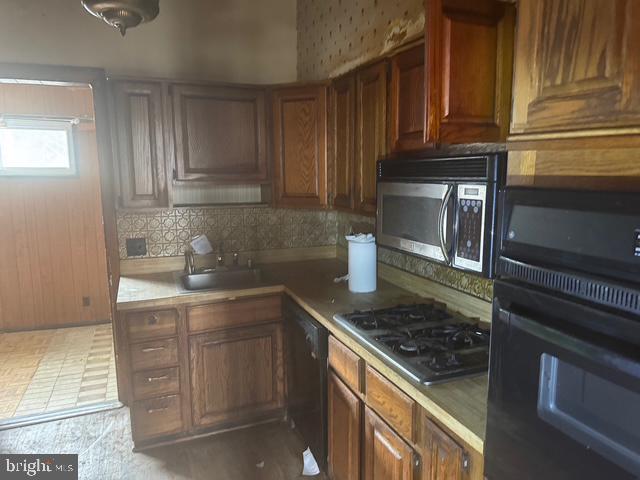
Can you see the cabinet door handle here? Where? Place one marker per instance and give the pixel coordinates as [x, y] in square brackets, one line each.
[155, 410]
[152, 349]
[153, 319]
[157, 379]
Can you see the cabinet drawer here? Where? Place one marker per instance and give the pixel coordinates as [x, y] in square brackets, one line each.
[156, 416]
[346, 364]
[157, 353]
[151, 383]
[160, 323]
[235, 313]
[391, 403]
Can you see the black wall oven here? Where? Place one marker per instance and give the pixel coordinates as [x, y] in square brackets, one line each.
[564, 376]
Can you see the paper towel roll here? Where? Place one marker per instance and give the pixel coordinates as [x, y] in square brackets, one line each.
[362, 263]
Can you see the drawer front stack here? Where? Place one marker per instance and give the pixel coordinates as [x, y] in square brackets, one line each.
[155, 373]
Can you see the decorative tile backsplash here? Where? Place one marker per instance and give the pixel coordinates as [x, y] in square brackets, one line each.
[472, 284]
[243, 229]
[239, 229]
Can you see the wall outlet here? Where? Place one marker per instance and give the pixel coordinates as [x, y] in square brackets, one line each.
[86, 301]
[136, 247]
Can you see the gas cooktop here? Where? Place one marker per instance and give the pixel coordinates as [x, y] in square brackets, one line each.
[427, 342]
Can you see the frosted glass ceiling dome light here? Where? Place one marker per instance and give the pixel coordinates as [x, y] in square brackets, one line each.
[123, 14]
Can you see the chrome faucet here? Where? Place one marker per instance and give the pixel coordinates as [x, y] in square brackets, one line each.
[189, 261]
[220, 257]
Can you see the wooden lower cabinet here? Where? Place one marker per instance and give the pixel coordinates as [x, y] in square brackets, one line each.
[386, 455]
[344, 430]
[443, 458]
[190, 370]
[236, 374]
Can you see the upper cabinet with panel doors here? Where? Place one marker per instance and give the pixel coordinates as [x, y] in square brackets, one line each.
[577, 69]
[370, 132]
[341, 141]
[468, 70]
[408, 106]
[139, 143]
[220, 133]
[300, 145]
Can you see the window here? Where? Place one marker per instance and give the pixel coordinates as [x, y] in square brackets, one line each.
[36, 147]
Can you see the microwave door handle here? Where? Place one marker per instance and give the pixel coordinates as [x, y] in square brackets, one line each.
[442, 226]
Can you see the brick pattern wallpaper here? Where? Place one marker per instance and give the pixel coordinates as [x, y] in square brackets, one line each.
[334, 36]
[239, 229]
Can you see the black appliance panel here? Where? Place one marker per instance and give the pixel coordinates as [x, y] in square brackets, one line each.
[307, 347]
[539, 425]
[593, 232]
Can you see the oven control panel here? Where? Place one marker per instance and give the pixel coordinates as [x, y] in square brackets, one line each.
[470, 210]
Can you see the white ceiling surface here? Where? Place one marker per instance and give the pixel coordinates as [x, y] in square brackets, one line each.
[248, 41]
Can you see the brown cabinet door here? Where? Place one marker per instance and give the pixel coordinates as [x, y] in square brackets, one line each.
[408, 106]
[299, 142]
[220, 134]
[140, 149]
[236, 375]
[469, 70]
[443, 457]
[386, 454]
[371, 132]
[577, 66]
[344, 426]
[342, 104]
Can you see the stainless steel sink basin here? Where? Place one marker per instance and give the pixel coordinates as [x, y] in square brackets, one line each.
[220, 279]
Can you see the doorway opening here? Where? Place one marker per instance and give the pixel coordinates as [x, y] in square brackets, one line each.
[56, 342]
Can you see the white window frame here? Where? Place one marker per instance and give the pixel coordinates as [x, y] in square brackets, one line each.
[35, 123]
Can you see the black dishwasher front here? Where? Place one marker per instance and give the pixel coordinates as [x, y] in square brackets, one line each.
[306, 349]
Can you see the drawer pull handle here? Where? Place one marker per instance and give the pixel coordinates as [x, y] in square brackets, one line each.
[152, 349]
[157, 379]
[155, 410]
[153, 319]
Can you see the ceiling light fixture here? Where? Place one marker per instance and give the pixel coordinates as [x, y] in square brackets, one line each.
[123, 14]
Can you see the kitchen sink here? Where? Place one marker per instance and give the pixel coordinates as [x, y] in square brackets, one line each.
[221, 279]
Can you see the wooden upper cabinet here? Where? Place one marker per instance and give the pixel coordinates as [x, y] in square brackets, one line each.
[299, 143]
[344, 425]
[371, 132]
[408, 106]
[386, 454]
[469, 70]
[220, 134]
[342, 105]
[577, 68]
[443, 458]
[139, 143]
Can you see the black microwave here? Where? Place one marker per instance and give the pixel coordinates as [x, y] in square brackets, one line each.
[441, 208]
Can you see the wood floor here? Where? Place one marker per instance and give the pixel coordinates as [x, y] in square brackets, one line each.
[46, 371]
[103, 442]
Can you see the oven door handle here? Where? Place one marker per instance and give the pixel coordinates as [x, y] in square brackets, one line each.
[595, 354]
[442, 226]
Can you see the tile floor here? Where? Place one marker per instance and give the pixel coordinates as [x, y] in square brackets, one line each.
[53, 370]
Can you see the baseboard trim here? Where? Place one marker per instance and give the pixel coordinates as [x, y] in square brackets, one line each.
[60, 415]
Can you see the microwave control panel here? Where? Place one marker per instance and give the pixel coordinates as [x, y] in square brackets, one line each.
[470, 209]
[469, 228]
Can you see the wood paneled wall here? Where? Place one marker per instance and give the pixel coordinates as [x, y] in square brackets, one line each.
[52, 247]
